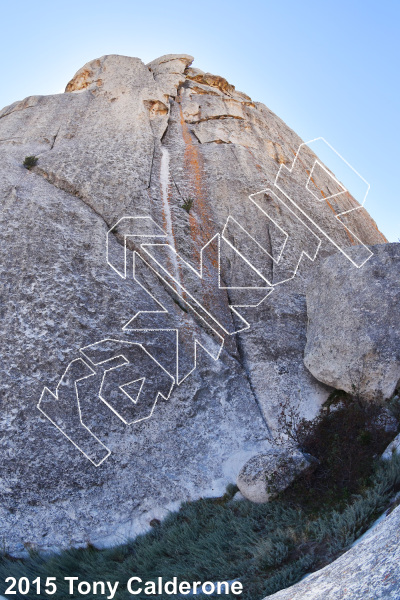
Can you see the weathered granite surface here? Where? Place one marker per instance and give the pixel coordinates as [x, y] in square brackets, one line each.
[369, 570]
[128, 139]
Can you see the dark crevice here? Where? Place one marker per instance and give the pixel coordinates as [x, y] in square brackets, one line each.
[269, 242]
[54, 138]
[215, 118]
[219, 142]
[168, 121]
[151, 71]
[243, 363]
[151, 166]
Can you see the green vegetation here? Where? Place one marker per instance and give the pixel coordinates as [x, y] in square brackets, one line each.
[30, 161]
[268, 546]
[187, 200]
[187, 204]
[346, 437]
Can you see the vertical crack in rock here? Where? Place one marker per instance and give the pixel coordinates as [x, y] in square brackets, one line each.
[54, 138]
[151, 166]
[246, 370]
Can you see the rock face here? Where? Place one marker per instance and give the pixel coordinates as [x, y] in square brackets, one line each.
[135, 153]
[371, 569]
[268, 473]
[393, 448]
[353, 337]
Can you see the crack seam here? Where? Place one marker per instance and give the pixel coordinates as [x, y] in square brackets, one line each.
[216, 118]
[243, 364]
[47, 177]
[16, 110]
[54, 139]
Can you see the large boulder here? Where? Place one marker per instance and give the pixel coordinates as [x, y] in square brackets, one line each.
[353, 333]
[269, 473]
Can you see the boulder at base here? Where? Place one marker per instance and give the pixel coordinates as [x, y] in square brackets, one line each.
[269, 473]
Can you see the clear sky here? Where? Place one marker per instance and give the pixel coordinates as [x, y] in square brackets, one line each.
[326, 68]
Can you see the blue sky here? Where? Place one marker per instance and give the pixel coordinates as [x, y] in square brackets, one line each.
[327, 69]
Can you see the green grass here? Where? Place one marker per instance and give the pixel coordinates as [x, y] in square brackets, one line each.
[268, 546]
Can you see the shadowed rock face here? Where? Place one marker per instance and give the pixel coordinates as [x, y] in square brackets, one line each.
[183, 147]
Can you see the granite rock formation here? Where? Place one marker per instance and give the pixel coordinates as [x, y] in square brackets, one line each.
[182, 150]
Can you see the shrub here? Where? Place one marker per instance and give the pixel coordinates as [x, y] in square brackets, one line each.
[345, 438]
[30, 162]
[187, 204]
[187, 201]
